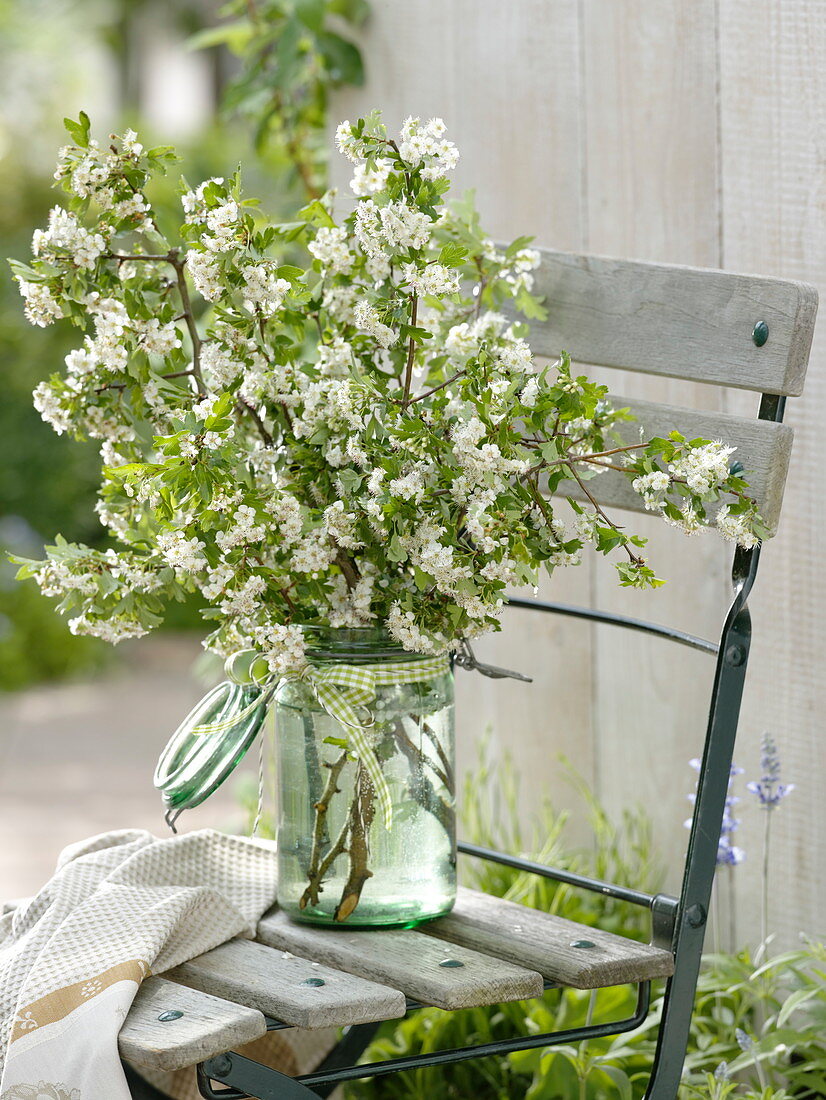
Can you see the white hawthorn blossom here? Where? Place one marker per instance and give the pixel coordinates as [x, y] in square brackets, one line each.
[356, 435]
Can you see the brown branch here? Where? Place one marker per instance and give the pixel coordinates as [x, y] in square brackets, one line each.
[411, 351]
[435, 389]
[599, 511]
[121, 256]
[244, 406]
[189, 317]
[123, 385]
[362, 812]
[348, 569]
[420, 787]
[318, 867]
[437, 744]
[416, 757]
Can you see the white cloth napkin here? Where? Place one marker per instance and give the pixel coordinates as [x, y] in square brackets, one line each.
[120, 905]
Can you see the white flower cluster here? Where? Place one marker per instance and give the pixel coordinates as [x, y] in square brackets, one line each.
[340, 302]
[65, 235]
[347, 142]
[220, 219]
[340, 526]
[475, 460]
[244, 530]
[703, 468]
[329, 403]
[367, 318]
[219, 366]
[435, 279]
[53, 406]
[263, 289]
[112, 629]
[283, 646]
[101, 423]
[157, 339]
[335, 359]
[465, 339]
[530, 392]
[287, 518]
[112, 323]
[392, 228]
[100, 176]
[182, 553]
[243, 601]
[651, 488]
[689, 521]
[352, 607]
[330, 248]
[431, 553]
[211, 439]
[425, 144]
[90, 175]
[311, 555]
[206, 274]
[736, 527]
[42, 308]
[402, 626]
[519, 275]
[409, 486]
[222, 222]
[56, 579]
[368, 180]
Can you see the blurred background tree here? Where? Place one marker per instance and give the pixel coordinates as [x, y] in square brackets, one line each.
[185, 73]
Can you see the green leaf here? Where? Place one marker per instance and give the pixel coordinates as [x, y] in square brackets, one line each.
[620, 1080]
[354, 11]
[311, 13]
[317, 214]
[288, 271]
[78, 131]
[798, 998]
[236, 35]
[343, 59]
[452, 254]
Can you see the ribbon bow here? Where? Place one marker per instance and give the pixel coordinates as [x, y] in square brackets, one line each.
[343, 689]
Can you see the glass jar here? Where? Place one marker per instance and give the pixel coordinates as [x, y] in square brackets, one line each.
[338, 862]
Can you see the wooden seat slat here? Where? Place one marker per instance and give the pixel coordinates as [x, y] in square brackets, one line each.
[208, 1027]
[289, 988]
[545, 943]
[682, 322]
[407, 960]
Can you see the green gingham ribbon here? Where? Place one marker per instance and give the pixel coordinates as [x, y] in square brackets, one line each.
[342, 690]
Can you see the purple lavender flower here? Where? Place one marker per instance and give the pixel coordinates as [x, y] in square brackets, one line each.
[728, 854]
[744, 1040]
[769, 790]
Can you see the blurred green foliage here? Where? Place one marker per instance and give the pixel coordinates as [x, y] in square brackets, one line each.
[293, 54]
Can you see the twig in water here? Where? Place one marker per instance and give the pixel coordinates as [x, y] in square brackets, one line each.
[362, 812]
[318, 866]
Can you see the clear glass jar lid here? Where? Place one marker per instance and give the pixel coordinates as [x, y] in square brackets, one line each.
[209, 743]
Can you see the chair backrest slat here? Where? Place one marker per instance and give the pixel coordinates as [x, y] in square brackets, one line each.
[763, 448]
[683, 322]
